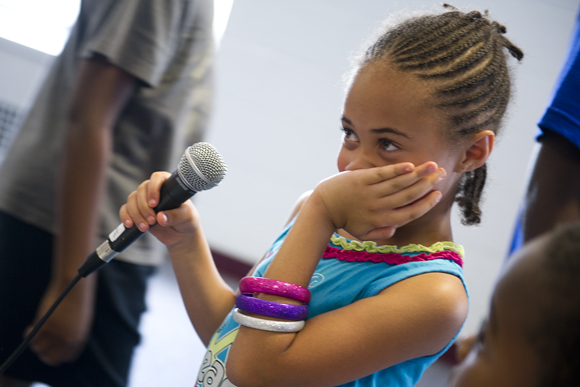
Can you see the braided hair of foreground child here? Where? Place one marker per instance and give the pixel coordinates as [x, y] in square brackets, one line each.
[461, 56]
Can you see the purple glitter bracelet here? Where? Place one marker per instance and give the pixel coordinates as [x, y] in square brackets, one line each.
[275, 288]
[251, 304]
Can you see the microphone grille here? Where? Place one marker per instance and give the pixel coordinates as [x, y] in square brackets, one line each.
[201, 167]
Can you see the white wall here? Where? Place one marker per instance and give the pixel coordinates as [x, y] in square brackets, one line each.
[278, 107]
[21, 70]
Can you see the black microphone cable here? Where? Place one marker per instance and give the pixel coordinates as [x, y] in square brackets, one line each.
[201, 167]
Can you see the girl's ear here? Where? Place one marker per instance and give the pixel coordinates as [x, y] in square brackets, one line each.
[478, 150]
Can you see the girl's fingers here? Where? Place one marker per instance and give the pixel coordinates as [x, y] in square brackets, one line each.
[178, 218]
[403, 215]
[399, 181]
[174, 225]
[386, 197]
[388, 172]
[415, 191]
[172, 218]
[143, 201]
[124, 215]
[155, 182]
[412, 185]
[138, 210]
[385, 222]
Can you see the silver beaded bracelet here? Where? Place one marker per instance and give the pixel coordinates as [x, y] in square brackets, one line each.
[267, 325]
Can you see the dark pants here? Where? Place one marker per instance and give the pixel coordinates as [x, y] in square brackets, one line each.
[25, 264]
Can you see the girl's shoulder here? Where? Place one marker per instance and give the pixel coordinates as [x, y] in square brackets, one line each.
[298, 206]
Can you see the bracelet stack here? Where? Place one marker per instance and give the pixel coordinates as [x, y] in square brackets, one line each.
[246, 302]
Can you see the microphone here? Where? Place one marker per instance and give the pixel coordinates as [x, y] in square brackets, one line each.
[201, 167]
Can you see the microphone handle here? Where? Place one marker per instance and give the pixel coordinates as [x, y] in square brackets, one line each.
[173, 193]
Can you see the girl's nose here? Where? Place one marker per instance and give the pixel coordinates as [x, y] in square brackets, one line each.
[359, 160]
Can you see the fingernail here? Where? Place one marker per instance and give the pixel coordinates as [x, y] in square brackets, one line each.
[127, 223]
[152, 202]
[151, 219]
[164, 217]
[438, 197]
[143, 226]
[442, 173]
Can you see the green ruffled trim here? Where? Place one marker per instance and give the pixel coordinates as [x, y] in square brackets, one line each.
[371, 247]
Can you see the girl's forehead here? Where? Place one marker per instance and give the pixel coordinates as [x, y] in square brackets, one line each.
[381, 82]
[379, 92]
[383, 72]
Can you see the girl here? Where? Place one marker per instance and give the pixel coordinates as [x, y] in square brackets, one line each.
[364, 287]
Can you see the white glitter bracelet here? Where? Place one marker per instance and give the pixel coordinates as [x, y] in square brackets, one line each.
[267, 325]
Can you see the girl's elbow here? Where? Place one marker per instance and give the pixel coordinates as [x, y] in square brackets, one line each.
[242, 376]
[248, 373]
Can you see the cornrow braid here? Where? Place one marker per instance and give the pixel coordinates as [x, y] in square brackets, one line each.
[462, 55]
[444, 51]
[431, 32]
[470, 194]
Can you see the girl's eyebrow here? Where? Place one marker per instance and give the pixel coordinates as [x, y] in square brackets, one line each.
[392, 131]
[381, 130]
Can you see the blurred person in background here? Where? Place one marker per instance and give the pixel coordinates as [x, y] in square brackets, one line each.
[553, 193]
[130, 91]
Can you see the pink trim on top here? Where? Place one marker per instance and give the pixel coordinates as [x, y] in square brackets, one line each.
[390, 258]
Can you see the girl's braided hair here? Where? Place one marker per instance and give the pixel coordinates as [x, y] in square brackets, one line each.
[461, 55]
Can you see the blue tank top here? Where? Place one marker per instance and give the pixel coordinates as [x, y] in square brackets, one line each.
[337, 282]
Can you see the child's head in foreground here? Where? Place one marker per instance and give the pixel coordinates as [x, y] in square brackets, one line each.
[444, 78]
[532, 336]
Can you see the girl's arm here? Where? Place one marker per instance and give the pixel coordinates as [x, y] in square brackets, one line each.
[415, 317]
[206, 296]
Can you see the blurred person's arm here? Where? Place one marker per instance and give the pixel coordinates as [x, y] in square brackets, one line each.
[101, 93]
[553, 194]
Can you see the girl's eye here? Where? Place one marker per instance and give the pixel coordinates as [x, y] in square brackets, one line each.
[389, 146]
[349, 135]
